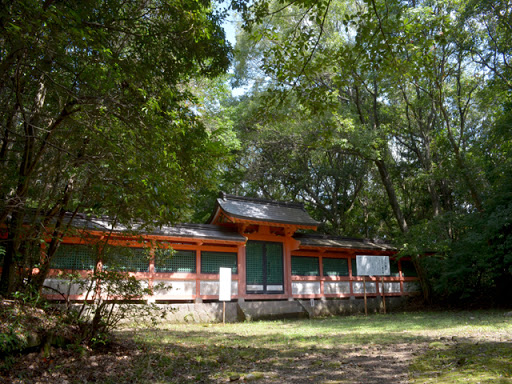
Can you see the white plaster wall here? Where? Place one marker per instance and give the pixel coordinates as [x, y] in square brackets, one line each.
[114, 288]
[336, 287]
[357, 287]
[174, 288]
[255, 287]
[306, 287]
[211, 288]
[276, 288]
[390, 287]
[62, 285]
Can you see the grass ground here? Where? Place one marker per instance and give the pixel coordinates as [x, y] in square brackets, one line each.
[422, 347]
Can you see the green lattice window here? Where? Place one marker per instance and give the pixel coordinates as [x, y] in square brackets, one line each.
[274, 255]
[126, 259]
[178, 261]
[76, 257]
[254, 263]
[393, 265]
[354, 267]
[305, 266]
[264, 267]
[408, 269]
[212, 261]
[335, 267]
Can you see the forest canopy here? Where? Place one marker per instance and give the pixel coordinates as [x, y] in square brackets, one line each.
[99, 116]
[388, 119]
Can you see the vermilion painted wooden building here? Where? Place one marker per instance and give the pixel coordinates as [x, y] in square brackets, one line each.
[260, 240]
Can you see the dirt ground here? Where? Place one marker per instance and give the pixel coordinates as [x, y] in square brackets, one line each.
[342, 364]
[365, 365]
[201, 355]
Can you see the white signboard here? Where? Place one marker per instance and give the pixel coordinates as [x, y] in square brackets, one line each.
[224, 284]
[373, 265]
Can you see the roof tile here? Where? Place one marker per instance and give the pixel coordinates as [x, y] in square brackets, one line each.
[265, 210]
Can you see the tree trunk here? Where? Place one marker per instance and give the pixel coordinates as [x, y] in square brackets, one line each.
[390, 190]
[9, 267]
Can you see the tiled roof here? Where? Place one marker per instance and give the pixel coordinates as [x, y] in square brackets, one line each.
[254, 209]
[201, 231]
[190, 231]
[341, 242]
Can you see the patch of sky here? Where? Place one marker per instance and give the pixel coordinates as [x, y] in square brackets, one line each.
[230, 28]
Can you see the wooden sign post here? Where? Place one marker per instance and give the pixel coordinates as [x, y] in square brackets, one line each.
[365, 302]
[373, 266]
[383, 295]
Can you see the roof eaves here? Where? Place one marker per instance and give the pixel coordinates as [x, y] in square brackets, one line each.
[185, 231]
[273, 221]
[318, 240]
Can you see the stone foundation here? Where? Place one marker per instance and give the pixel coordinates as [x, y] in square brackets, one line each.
[352, 306]
[261, 310]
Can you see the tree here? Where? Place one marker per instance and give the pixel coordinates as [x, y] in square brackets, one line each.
[285, 155]
[415, 88]
[98, 115]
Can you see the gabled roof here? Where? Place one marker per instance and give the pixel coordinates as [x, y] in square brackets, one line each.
[317, 240]
[247, 209]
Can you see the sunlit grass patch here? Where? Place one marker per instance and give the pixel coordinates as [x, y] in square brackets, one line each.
[216, 352]
[481, 362]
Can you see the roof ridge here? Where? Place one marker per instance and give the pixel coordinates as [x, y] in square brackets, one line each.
[227, 196]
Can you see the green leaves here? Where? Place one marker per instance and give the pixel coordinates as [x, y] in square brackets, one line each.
[421, 90]
[98, 112]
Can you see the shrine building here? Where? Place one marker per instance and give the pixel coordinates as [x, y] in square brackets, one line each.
[267, 244]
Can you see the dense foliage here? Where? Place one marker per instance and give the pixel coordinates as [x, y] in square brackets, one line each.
[387, 118]
[98, 115]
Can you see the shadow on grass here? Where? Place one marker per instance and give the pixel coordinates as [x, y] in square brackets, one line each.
[481, 362]
[213, 362]
[216, 359]
[204, 356]
[273, 339]
[397, 322]
[333, 350]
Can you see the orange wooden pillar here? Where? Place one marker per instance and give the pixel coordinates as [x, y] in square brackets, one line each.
[151, 269]
[351, 276]
[321, 275]
[289, 245]
[287, 264]
[241, 272]
[197, 296]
